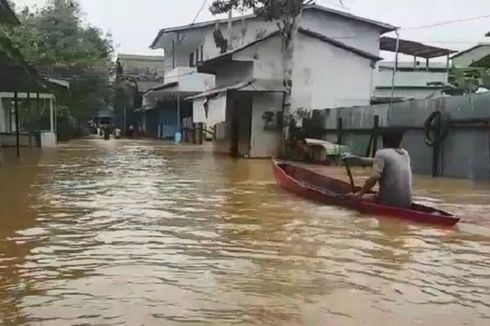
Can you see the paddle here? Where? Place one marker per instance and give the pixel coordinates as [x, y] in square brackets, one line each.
[346, 161]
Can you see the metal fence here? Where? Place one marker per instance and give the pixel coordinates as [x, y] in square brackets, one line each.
[463, 153]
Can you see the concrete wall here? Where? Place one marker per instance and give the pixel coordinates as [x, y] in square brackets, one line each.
[264, 143]
[11, 140]
[232, 73]
[354, 33]
[351, 32]
[383, 77]
[465, 152]
[190, 80]
[326, 76]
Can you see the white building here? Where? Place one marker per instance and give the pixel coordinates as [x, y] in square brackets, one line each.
[188, 46]
[411, 80]
[471, 56]
[329, 72]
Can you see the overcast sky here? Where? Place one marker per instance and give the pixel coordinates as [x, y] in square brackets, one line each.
[134, 24]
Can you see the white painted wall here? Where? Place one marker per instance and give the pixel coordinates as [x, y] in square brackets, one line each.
[351, 32]
[325, 76]
[190, 80]
[383, 77]
[466, 59]
[357, 34]
[216, 112]
[264, 143]
[266, 57]
[233, 73]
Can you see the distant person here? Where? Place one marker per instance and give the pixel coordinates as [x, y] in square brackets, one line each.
[391, 169]
[117, 133]
[131, 131]
[107, 133]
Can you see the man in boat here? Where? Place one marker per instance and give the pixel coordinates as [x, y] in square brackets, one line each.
[391, 169]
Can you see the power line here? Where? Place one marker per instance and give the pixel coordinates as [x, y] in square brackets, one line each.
[204, 3]
[447, 22]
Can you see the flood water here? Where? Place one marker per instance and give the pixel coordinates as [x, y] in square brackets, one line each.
[147, 233]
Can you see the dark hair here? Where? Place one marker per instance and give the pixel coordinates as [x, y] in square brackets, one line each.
[392, 137]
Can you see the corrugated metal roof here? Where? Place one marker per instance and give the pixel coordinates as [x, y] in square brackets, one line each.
[384, 27]
[413, 48]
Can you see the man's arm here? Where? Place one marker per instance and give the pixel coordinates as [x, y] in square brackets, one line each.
[370, 183]
[378, 168]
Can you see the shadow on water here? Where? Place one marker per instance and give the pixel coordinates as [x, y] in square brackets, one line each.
[146, 232]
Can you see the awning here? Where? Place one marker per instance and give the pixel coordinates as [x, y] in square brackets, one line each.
[162, 87]
[413, 48]
[253, 85]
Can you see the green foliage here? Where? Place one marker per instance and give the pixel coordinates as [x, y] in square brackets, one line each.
[61, 45]
[270, 9]
[468, 80]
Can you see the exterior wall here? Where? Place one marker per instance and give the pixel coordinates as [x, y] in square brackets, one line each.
[190, 80]
[326, 76]
[354, 33]
[408, 93]
[216, 111]
[466, 59]
[147, 67]
[233, 72]
[357, 34]
[11, 140]
[254, 29]
[264, 143]
[383, 77]
[184, 43]
[266, 57]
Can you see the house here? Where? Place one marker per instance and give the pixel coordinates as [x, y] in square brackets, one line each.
[142, 72]
[187, 47]
[22, 89]
[334, 58]
[411, 80]
[471, 56]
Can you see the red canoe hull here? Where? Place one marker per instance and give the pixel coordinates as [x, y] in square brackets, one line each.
[330, 191]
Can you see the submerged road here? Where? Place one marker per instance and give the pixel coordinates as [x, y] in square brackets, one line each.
[147, 233]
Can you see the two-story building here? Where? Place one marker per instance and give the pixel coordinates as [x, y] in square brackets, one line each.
[333, 63]
[187, 47]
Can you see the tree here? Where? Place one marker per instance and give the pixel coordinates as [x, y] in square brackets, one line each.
[57, 41]
[287, 14]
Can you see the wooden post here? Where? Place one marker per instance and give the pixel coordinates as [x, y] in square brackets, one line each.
[17, 123]
[436, 152]
[173, 54]
[178, 115]
[30, 114]
[375, 135]
[339, 131]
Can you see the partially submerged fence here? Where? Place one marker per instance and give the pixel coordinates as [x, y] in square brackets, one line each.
[464, 126]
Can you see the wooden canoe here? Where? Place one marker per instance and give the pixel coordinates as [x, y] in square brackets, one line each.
[332, 191]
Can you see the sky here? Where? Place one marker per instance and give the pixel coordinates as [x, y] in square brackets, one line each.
[134, 24]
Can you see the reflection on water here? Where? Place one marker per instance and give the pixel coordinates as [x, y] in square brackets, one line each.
[143, 233]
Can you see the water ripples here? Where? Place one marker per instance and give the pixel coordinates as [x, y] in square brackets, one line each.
[144, 233]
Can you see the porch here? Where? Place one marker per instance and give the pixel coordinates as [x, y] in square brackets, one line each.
[246, 118]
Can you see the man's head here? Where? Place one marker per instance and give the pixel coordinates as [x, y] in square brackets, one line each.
[392, 138]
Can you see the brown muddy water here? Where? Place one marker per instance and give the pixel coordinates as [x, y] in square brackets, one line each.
[147, 233]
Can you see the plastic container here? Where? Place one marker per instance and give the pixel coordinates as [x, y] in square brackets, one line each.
[178, 137]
